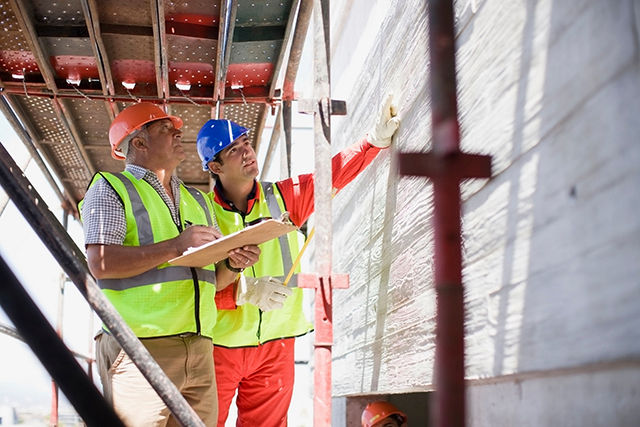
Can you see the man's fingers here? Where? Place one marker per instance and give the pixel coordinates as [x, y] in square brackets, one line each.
[388, 109]
[216, 233]
[247, 255]
[393, 124]
[254, 249]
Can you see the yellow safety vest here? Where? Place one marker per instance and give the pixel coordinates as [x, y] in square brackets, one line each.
[247, 325]
[166, 300]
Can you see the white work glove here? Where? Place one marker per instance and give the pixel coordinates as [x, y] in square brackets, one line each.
[266, 293]
[386, 125]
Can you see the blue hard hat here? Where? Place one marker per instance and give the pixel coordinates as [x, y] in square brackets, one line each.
[215, 136]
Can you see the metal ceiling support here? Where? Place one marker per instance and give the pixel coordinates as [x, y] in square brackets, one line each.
[90, 10]
[447, 166]
[258, 130]
[285, 42]
[26, 24]
[226, 26]
[201, 100]
[72, 260]
[160, 36]
[286, 124]
[273, 143]
[54, 355]
[27, 139]
[67, 122]
[299, 36]
[24, 20]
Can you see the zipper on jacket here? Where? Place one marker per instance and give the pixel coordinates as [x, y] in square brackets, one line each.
[259, 326]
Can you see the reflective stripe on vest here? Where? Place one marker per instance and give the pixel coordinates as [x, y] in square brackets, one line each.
[157, 275]
[200, 199]
[276, 213]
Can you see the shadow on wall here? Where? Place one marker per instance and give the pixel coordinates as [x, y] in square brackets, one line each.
[583, 250]
[567, 301]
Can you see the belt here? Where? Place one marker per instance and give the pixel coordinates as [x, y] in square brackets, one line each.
[187, 335]
[183, 335]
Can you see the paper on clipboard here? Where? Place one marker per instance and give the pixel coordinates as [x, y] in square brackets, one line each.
[217, 250]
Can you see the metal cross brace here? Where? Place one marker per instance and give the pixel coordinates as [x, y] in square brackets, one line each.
[323, 314]
[325, 107]
[452, 165]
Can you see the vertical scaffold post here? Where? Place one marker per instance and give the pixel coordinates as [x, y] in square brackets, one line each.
[446, 166]
[323, 281]
[323, 219]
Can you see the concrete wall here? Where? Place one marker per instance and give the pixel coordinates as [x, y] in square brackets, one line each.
[551, 90]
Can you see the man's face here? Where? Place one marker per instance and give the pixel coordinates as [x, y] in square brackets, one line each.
[387, 422]
[238, 161]
[165, 142]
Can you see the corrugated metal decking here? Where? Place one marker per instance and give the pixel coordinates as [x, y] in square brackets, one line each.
[63, 66]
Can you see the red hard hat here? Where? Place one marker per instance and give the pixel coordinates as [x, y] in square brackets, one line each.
[378, 411]
[132, 119]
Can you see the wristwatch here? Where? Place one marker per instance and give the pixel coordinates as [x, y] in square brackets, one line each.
[235, 270]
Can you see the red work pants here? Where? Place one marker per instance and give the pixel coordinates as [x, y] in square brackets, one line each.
[262, 375]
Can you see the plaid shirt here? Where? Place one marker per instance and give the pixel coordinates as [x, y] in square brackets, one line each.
[103, 217]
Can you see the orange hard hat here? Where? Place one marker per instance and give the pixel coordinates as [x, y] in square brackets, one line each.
[378, 411]
[131, 119]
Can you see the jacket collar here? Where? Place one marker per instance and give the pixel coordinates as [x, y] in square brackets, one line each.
[252, 197]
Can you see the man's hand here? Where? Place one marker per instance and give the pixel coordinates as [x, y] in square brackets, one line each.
[194, 236]
[244, 257]
[266, 293]
[386, 125]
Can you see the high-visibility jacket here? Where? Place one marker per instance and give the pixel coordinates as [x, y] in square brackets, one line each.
[166, 300]
[247, 325]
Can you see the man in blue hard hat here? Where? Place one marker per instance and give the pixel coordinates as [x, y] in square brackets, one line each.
[259, 318]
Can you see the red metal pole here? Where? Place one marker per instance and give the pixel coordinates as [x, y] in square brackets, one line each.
[53, 417]
[447, 166]
[322, 354]
[449, 373]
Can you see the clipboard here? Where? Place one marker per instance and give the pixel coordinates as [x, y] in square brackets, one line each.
[217, 250]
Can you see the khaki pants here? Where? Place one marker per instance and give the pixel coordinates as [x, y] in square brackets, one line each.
[187, 361]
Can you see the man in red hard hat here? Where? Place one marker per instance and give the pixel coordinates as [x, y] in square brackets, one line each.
[383, 414]
[134, 222]
[257, 322]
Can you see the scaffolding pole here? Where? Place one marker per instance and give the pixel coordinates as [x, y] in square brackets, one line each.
[447, 167]
[36, 331]
[322, 193]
